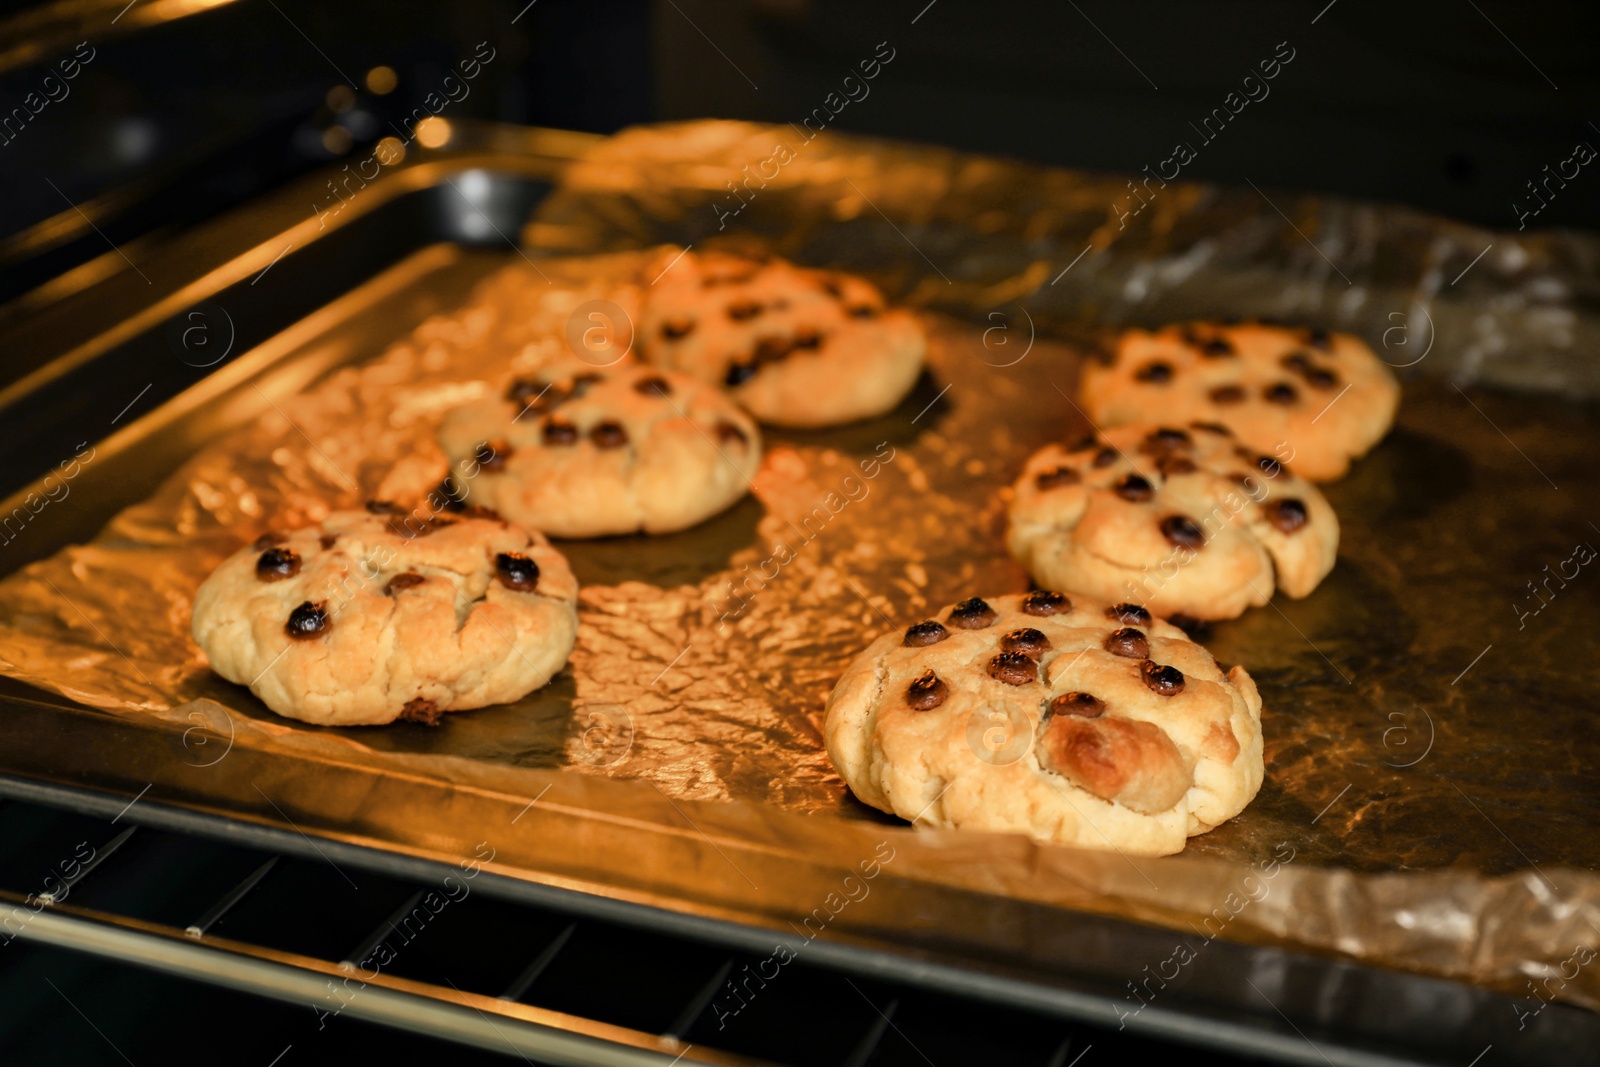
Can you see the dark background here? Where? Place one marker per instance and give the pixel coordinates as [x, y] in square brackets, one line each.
[1451, 106]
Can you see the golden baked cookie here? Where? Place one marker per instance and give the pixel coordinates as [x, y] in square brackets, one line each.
[577, 451]
[1058, 716]
[1309, 397]
[796, 347]
[385, 614]
[1184, 520]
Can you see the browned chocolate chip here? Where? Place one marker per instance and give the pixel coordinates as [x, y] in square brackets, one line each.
[560, 432]
[1105, 457]
[1287, 514]
[1166, 437]
[739, 373]
[277, 564]
[1084, 443]
[727, 433]
[1280, 393]
[925, 633]
[516, 572]
[1028, 641]
[581, 382]
[1296, 361]
[1055, 479]
[927, 692]
[1013, 668]
[522, 390]
[1213, 427]
[832, 287]
[1269, 466]
[1132, 614]
[1321, 378]
[1128, 642]
[608, 434]
[408, 580]
[1216, 347]
[1227, 394]
[449, 497]
[270, 538]
[744, 310]
[1197, 629]
[308, 620]
[1154, 373]
[1045, 602]
[807, 338]
[1083, 705]
[1181, 530]
[425, 712]
[1133, 487]
[1166, 681]
[328, 540]
[771, 350]
[1319, 338]
[673, 329]
[1170, 466]
[972, 614]
[384, 507]
[862, 311]
[655, 385]
[491, 456]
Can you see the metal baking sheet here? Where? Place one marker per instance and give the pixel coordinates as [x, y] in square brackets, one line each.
[682, 758]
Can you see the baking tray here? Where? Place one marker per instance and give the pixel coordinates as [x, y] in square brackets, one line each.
[403, 252]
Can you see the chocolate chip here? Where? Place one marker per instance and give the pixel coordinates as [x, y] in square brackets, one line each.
[1133, 487]
[925, 633]
[581, 382]
[328, 540]
[1280, 393]
[1045, 602]
[1132, 614]
[727, 433]
[771, 350]
[408, 580]
[1084, 443]
[1028, 641]
[832, 287]
[277, 564]
[1213, 427]
[673, 329]
[1269, 466]
[491, 456]
[522, 390]
[739, 373]
[862, 311]
[1296, 361]
[516, 572]
[1013, 668]
[270, 538]
[1216, 347]
[308, 620]
[1197, 629]
[972, 614]
[1287, 514]
[384, 507]
[1128, 642]
[608, 434]
[1055, 479]
[1319, 338]
[807, 338]
[1181, 530]
[1171, 466]
[450, 498]
[559, 432]
[1105, 457]
[655, 385]
[1166, 437]
[1166, 681]
[1083, 705]
[425, 712]
[1227, 394]
[744, 310]
[927, 692]
[1321, 378]
[1156, 373]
